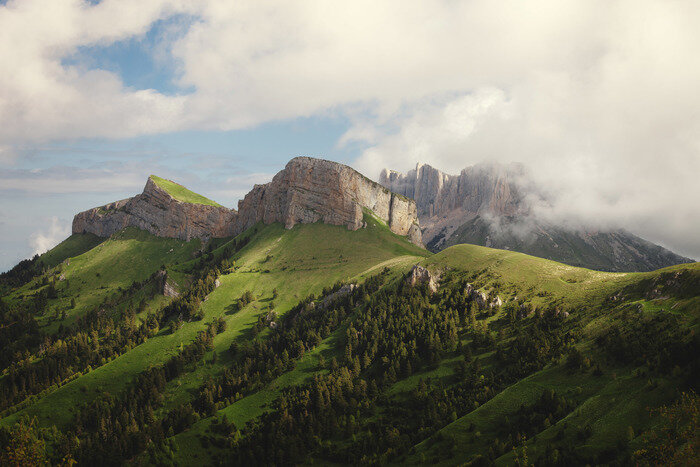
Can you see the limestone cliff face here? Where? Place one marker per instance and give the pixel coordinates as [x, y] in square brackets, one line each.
[477, 189]
[159, 213]
[445, 201]
[307, 190]
[311, 190]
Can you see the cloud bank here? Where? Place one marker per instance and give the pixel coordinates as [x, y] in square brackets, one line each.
[43, 241]
[597, 98]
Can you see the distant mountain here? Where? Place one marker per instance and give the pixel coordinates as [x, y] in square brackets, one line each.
[488, 204]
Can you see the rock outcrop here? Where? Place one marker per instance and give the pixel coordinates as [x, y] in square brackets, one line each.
[307, 190]
[420, 275]
[310, 190]
[165, 286]
[482, 298]
[159, 213]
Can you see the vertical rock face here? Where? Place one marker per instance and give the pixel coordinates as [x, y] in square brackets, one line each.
[445, 202]
[311, 190]
[159, 213]
[307, 190]
[476, 190]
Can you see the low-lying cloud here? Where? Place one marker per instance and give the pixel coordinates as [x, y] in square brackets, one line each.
[45, 239]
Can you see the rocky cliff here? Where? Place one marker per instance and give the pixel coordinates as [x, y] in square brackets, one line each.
[478, 189]
[487, 204]
[311, 190]
[307, 190]
[445, 202]
[156, 211]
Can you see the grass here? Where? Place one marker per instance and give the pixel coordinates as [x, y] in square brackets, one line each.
[531, 278]
[280, 267]
[71, 247]
[608, 404]
[296, 262]
[181, 193]
[89, 278]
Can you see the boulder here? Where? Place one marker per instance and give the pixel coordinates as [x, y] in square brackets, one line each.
[420, 275]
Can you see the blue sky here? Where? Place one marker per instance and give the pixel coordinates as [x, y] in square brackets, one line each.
[598, 100]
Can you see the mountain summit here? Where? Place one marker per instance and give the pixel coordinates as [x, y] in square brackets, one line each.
[159, 211]
[487, 204]
[307, 190]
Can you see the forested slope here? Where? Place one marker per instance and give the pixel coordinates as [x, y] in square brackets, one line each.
[311, 345]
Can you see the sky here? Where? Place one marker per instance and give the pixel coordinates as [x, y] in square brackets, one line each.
[598, 99]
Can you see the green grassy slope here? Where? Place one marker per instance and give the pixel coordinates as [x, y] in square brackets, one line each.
[279, 268]
[610, 402]
[531, 278]
[605, 251]
[91, 277]
[295, 262]
[181, 193]
[75, 245]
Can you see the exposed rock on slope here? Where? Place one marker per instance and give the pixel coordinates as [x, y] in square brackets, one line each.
[156, 211]
[420, 275]
[487, 205]
[165, 286]
[311, 190]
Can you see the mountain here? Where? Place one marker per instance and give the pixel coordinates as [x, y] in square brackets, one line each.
[161, 211]
[308, 190]
[489, 204]
[315, 337]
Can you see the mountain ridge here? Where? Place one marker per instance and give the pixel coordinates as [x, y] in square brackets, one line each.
[489, 204]
[307, 190]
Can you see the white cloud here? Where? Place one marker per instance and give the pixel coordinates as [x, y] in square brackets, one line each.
[41, 98]
[591, 179]
[598, 97]
[43, 241]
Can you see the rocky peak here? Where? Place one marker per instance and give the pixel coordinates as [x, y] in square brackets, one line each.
[156, 211]
[445, 202]
[478, 189]
[311, 190]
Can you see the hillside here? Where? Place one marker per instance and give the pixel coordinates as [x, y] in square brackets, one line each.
[310, 326]
[270, 262]
[265, 357]
[605, 251]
